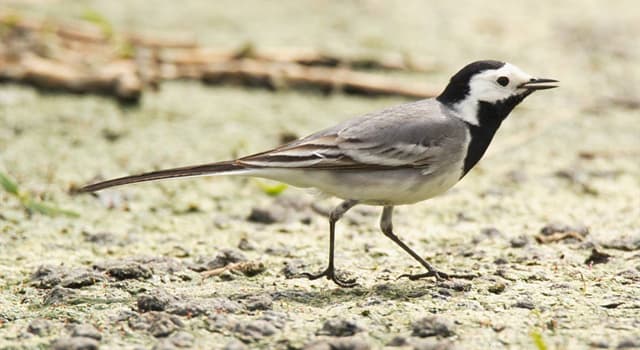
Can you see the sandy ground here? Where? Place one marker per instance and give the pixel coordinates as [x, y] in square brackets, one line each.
[126, 273]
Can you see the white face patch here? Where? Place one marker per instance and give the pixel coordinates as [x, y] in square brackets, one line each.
[491, 86]
[486, 86]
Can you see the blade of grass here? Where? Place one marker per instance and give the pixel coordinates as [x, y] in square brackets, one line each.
[538, 340]
[48, 209]
[33, 206]
[9, 185]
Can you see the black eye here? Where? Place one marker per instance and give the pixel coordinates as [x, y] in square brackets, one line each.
[504, 81]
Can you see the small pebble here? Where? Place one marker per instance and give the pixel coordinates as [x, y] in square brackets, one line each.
[519, 242]
[81, 278]
[457, 286]
[500, 261]
[536, 276]
[182, 339]
[338, 344]
[264, 216]
[278, 251]
[159, 324]
[251, 268]
[157, 300]
[86, 330]
[287, 136]
[226, 257]
[39, 327]
[259, 302]
[164, 344]
[277, 319]
[491, 232]
[254, 330]
[100, 238]
[58, 295]
[499, 327]
[293, 268]
[246, 245]
[444, 292]
[631, 275]
[625, 243]
[398, 340]
[235, 344]
[75, 343]
[497, 288]
[433, 344]
[597, 257]
[129, 270]
[224, 305]
[524, 304]
[220, 322]
[629, 343]
[600, 344]
[163, 327]
[189, 308]
[340, 328]
[49, 276]
[139, 267]
[552, 228]
[432, 326]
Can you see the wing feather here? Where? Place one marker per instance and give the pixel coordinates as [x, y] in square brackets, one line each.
[414, 135]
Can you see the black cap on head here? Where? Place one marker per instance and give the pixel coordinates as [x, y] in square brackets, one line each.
[458, 86]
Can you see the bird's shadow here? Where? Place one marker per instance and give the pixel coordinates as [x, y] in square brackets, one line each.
[388, 291]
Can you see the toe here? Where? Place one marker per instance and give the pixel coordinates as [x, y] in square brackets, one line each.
[345, 283]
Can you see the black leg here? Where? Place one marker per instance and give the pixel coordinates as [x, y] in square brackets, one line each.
[329, 272]
[386, 226]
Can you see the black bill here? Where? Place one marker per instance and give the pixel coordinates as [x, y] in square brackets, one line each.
[539, 84]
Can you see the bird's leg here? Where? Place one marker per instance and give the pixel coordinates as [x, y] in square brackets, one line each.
[386, 226]
[329, 272]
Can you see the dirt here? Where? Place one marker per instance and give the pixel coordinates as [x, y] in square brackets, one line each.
[127, 273]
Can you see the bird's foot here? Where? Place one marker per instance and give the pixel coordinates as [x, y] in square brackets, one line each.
[330, 274]
[439, 275]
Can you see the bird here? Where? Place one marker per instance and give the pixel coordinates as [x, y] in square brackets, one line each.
[400, 155]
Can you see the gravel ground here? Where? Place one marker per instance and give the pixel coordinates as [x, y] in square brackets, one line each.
[550, 219]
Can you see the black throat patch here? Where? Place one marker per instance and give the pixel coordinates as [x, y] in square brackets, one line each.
[490, 116]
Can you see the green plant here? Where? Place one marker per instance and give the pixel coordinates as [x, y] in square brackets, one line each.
[538, 340]
[100, 21]
[272, 190]
[30, 204]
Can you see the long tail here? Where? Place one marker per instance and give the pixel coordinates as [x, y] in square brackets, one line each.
[197, 170]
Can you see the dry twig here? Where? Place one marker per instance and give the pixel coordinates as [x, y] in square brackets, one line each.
[85, 57]
[558, 236]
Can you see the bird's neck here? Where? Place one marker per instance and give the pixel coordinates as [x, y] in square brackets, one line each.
[483, 126]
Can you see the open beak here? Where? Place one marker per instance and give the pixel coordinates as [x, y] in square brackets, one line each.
[539, 84]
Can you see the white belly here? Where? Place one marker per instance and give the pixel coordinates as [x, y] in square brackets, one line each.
[381, 187]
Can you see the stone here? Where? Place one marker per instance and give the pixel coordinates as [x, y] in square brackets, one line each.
[432, 326]
[86, 330]
[340, 328]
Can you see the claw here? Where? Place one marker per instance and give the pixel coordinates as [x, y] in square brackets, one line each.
[330, 274]
[439, 275]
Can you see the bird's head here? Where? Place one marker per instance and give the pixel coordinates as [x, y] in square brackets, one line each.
[493, 83]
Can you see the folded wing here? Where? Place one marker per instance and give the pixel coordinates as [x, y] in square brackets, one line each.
[414, 135]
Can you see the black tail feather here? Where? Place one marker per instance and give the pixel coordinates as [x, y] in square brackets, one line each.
[197, 170]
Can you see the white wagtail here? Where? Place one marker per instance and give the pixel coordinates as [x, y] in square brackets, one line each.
[400, 155]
